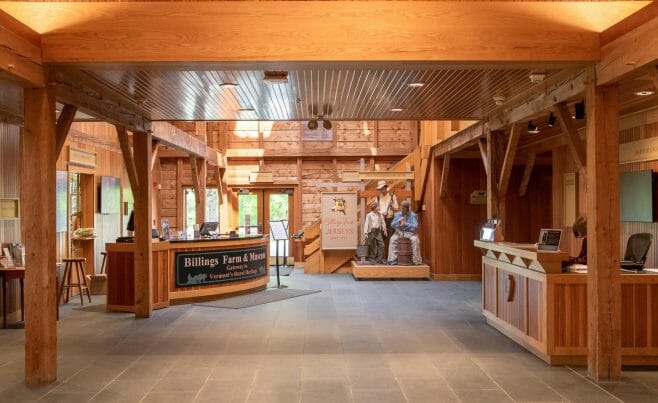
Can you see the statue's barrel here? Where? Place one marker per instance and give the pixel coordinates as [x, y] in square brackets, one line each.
[405, 254]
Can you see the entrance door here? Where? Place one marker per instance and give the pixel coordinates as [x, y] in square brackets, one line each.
[258, 207]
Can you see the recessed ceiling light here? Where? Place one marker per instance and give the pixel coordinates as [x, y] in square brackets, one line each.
[644, 93]
[228, 85]
[415, 85]
[396, 109]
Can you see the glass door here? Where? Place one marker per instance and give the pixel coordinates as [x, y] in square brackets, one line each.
[250, 213]
[278, 206]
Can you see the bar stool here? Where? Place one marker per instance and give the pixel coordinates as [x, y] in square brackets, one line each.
[67, 283]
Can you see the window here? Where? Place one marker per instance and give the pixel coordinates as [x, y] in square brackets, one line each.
[189, 210]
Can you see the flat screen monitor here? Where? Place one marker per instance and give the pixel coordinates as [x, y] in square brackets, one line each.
[208, 227]
[636, 196]
[549, 239]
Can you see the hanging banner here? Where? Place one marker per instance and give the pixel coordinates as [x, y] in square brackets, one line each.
[339, 221]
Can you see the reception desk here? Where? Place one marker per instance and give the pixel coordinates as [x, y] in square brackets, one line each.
[188, 269]
[526, 296]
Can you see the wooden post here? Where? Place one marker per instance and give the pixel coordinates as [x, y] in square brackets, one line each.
[63, 126]
[37, 176]
[202, 169]
[445, 169]
[495, 155]
[142, 143]
[603, 250]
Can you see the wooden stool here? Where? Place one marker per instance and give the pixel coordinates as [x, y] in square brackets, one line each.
[104, 263]
[67, 282]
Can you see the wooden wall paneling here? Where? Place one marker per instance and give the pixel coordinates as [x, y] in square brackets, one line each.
[180, 199]
[603, 282]
[142, 143]
[37, 178]
[527, 172]
[535, 207]
[445, 169]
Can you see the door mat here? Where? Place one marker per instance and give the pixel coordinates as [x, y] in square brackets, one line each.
[258, 298]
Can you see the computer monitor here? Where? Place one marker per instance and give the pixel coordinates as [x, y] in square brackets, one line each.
[131, 222]
[208, 227]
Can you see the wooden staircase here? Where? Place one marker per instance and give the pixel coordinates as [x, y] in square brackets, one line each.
[318, 261]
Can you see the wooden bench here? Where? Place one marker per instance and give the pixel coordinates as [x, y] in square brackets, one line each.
[378, 271]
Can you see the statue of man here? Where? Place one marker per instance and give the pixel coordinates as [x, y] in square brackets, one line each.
[374, 231]
[405, 224]
[388, 204]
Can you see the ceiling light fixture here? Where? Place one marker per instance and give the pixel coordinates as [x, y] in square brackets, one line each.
[312, 124]
[276, 77]
[228, 85]
[579, 110]
[396, 109]
[499, 99]
[551, 120]
[532, 129]
[645, 93]
[537, 77]
[415, 85]
[326, 124]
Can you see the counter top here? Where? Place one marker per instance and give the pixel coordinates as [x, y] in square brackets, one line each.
[524, 255]
[220, 238]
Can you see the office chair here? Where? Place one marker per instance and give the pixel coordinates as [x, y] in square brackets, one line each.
[636, 250]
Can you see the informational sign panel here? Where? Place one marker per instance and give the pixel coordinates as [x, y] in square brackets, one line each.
[278, 230]
[339, 220]
[203, 267]
[61, 201]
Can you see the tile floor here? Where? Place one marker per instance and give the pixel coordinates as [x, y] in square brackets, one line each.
[353, 342]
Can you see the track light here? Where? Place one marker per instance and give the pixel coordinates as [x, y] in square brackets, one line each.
[579, 109]
[551, 120]
[326, 124]
[532, 129]
[312, 124]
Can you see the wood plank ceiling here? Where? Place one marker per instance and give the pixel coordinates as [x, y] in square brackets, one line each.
[357, 92]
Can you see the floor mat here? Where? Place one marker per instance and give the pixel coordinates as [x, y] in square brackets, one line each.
[258, 298]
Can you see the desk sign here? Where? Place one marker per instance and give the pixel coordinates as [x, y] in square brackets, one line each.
[549, 239]
[202, 267]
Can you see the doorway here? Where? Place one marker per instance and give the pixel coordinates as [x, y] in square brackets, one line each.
[260, 206]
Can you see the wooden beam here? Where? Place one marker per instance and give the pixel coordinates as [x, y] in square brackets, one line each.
[482, 144]
[527, 172]
[20, 52]
[558, 88]
[64, 123]
[629, 23]
[155, 150]
[443, 188]
[574, 143]
[142, 143]
[128, 159]
[172, 136]
[653, 73]
[603, 234]
[214, 31]
[635, 49]
[196, 183]
[101, 106]
[202, 169]
[37, 178]
[546, 144]
[460, 140]
[255, 153]
[495, 200]
[508, 161]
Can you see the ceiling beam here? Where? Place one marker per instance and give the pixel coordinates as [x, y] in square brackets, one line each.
[635, 49]
[482, 144]
[20, 52]
[527, 172]
[256, 153]
[215, 31]
[543, 145]
[443, 187]
[101, 106]
[460, 140]
[128, 158]
[559, 88]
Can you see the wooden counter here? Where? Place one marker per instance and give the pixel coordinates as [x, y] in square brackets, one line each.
[526, 296]
[121, 271]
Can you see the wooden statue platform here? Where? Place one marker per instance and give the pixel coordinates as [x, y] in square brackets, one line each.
[382, 271]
